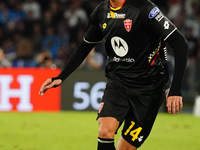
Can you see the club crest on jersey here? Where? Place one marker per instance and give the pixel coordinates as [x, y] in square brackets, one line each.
[128, 24]
[154, 12]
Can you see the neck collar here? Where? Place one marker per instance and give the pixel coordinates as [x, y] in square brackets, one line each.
[117, 8]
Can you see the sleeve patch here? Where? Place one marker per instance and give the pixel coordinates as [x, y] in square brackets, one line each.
[154, 12]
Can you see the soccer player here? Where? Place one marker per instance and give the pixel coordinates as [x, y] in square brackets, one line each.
[135, 33]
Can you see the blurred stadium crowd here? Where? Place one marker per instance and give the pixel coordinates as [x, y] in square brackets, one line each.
[43, 33]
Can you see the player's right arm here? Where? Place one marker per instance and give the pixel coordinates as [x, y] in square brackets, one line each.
[48, 84]
[93, 35]
[75, 60]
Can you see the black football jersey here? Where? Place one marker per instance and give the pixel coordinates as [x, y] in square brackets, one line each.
[134, 37]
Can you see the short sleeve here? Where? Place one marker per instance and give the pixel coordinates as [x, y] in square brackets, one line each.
[93, 33]
[159, 23]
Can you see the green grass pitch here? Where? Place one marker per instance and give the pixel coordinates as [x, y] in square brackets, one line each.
[72, 130]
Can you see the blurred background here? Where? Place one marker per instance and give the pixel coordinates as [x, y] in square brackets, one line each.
[44, 33]
[36, 39]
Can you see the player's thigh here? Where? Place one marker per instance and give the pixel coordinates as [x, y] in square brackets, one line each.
[140, 119]
[114, 102]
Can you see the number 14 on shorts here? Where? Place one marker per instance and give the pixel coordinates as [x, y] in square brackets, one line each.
[134, 133]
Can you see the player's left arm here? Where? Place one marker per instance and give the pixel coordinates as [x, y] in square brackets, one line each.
[167, 31]
[179, 46]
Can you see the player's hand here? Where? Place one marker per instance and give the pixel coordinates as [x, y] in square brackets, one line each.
[174, 104]
[48, 84]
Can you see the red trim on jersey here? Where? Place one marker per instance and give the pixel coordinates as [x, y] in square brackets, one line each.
[123, 3]
[154, 59]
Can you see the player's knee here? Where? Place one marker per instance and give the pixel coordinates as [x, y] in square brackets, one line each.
[106, 133]
[107, 127]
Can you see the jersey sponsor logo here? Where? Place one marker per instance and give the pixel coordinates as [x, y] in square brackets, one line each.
[154, 12]
[129, 60]
[154, 53]
[165, 53]
[159, 17]
[140, 138]
[115, 15]
[119, 46]
[128, 24]
[104, 25]
[152, 57]
[166, 25]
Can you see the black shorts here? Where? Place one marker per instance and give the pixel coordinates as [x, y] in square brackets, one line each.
[137, 111]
